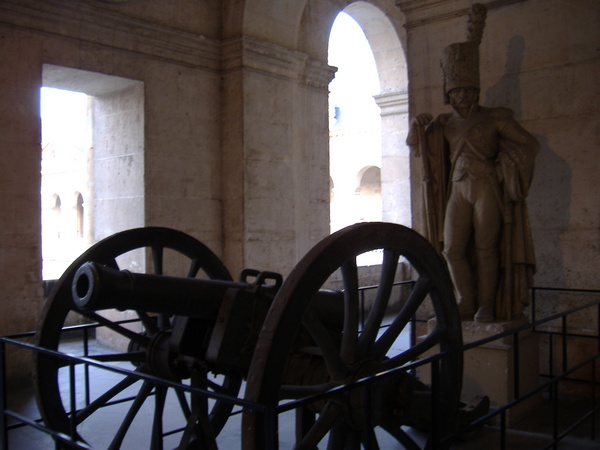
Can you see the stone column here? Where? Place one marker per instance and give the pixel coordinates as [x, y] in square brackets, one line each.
[395, 165]
[20, 184]
[275, 154]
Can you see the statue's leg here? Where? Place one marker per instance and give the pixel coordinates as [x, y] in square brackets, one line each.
[458, 229]
[487, 225]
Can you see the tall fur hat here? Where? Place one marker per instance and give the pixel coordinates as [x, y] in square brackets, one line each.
[460, 61]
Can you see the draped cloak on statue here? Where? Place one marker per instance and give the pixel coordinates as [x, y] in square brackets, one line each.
[514, 169]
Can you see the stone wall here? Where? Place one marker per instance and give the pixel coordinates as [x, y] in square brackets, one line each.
[175, 67]
[235, 138]
[222, 135]
[539, 58]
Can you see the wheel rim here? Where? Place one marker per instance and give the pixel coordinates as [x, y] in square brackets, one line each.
[358, 351]
[165, 247]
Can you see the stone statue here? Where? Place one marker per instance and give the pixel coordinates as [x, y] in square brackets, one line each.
[477, 166]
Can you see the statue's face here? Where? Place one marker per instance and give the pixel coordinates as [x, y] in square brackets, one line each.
[463, 98]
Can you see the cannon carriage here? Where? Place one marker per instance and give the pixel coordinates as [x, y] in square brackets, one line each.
[282, 339]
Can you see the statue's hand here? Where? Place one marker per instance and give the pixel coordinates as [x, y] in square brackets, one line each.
[415, 129]
[421, 120]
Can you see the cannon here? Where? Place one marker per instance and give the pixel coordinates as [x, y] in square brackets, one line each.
[279, 339]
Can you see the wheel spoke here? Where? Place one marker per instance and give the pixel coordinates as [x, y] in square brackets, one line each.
[343, 437]
[158, 265]
[139, 400]
[183, 403]
[431, 340]
[401, 436]
[218, 388]
[384, 290]
[135, 337]
[193, 268]
[157, 259]
[200, 415]
[316, 433]
[305, 419]
[157, 424]
[104, 398]
[389, 336]
[189, 430]
[351, 307]
[337, 436]
[335, 366]
[369, 439]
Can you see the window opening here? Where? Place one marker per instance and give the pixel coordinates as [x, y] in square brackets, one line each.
[66, 143]
[79, 214]
[369, 193]
[92, 161]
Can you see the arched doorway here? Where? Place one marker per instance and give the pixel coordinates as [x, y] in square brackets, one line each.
[370, 140]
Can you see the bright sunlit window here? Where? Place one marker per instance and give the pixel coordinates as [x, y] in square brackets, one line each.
[355, 125]
[66, 143]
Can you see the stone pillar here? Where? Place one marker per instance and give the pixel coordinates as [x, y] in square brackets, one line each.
[395, 164]
[275, 154]
[20, 184]
[503, 369]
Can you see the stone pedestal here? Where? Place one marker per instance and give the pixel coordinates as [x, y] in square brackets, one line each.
[489, 369]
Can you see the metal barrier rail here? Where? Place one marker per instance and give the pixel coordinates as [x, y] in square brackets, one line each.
[552, 384]
[70, 441]
[271, 424]
[270, 413]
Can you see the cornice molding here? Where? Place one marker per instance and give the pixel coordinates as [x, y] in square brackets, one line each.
[391, 103]
[424, 12]
[84, 22]
[318, 74]
[248, 53]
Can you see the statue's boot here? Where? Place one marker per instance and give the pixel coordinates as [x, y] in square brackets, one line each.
[487, 277]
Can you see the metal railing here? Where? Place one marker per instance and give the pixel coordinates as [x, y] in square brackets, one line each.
[550, 385]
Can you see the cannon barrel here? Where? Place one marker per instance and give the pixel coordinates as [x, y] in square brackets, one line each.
[97, 287]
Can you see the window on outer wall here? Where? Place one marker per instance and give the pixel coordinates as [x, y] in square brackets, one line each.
[66, 143]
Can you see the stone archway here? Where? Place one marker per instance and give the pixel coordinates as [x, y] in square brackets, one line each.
[275, 123]
[387, 43]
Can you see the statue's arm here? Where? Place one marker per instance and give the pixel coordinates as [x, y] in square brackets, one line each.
[417, 128]
[511, 130]
[518, 150]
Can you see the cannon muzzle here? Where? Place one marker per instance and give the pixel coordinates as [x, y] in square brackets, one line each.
[97, 287]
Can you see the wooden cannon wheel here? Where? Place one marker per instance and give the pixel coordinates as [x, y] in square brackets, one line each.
[358, 350]
[162, 247]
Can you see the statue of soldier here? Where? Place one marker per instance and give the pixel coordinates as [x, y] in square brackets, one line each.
[478, 165]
